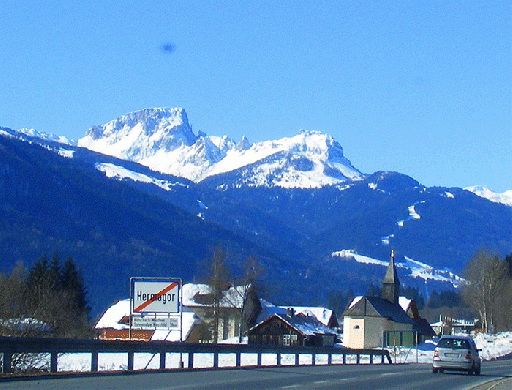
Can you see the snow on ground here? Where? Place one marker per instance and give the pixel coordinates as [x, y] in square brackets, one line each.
[120, 173]
[416, 268]
[493, 346]
[412, 214]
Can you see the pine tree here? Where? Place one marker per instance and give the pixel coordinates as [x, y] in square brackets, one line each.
[71, 280]
[54, 273]
[38, 273]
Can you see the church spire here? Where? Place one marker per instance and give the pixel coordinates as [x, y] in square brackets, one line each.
[390, 283]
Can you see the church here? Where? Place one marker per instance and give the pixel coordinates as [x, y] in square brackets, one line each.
[372, 322]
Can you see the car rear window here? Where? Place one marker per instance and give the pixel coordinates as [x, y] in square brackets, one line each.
[453, 344]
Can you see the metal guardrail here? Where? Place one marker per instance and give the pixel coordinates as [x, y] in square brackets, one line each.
[10, 346]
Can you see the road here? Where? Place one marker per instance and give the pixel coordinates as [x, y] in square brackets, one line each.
[410, 376]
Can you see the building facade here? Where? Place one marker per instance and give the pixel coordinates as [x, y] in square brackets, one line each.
[372, 322]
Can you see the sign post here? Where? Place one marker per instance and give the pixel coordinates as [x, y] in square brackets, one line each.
[155, 303]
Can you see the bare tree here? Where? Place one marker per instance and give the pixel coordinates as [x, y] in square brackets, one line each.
[231, 302]
[487, 288]
[250, 291]
[218, 280]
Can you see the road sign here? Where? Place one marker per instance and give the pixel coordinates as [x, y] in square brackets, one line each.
[155, 295]
[155, 322]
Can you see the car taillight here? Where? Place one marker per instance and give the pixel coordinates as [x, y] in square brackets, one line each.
[468, 355]
[436, 353]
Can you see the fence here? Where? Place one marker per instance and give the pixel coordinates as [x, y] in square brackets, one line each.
[10, 346]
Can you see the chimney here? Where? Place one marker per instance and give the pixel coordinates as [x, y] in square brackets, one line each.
[290, 312]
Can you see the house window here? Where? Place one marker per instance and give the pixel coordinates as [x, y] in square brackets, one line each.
[289, 339]
[356, 327]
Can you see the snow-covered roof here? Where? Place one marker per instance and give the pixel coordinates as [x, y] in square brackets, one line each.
[404, 303]
[115, 313]
[322, 314]
[306, 325]
[373, 306]
[23, 324]
[354, 301]
[232, 297]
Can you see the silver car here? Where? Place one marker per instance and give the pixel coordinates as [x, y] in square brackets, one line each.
[458, 353]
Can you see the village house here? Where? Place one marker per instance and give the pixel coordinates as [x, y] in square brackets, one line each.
[291, 329]
[450, 326]
[232, 315]
[197, 313]
[372, 322]
[326, 316]
[114, 324]
[239, 309]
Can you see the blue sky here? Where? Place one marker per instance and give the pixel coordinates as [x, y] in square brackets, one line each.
[418, 87]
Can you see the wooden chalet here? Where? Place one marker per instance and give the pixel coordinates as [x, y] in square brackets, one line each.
[291, 330]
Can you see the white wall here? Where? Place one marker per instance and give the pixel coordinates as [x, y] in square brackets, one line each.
[367, 332]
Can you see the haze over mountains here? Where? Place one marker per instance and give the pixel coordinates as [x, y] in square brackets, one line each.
[143, 195]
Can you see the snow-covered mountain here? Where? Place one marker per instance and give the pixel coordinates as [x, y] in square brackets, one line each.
[484, 192]
[275, 204]
[45, 136]
[162, 139]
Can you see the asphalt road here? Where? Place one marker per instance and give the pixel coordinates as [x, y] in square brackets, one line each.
[496, 375]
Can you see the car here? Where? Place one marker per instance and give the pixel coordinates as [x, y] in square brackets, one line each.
[457, 353]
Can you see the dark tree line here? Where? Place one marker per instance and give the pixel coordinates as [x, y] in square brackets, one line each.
[49, 300]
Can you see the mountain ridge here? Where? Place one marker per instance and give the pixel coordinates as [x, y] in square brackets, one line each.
[158, 216]
[162, 139]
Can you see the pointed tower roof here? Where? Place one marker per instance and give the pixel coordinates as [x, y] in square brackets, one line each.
[391, 276]
[390, 283]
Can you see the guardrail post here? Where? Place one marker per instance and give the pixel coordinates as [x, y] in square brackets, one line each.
[6, 362]
[53, 362]
[94, 361]
[259, 359]
[162, 360]
[191, 360]
[357, 358]
[371, 358]
[130, 360]
[382, 359]
[238, 359]
[215, 360]
[278, 358]
[297, 359]
[313, 359]
[329, 359]
[344, 358]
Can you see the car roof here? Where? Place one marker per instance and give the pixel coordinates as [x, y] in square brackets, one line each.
[456, 337]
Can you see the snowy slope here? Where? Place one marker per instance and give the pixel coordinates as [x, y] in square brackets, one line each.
[308, 160]
[163, 140]
[46, 136]
[484, 192]
[413, 268]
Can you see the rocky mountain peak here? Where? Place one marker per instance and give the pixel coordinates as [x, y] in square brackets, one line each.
[162, 139]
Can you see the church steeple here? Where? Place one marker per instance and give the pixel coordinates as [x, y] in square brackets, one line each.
[390, 283]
